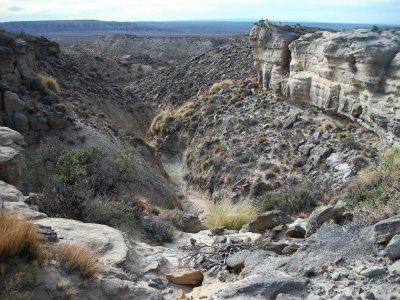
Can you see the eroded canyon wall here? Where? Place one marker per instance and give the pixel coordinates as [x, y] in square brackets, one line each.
[355, 73]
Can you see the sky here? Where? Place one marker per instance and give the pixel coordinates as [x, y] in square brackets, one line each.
[332, 11]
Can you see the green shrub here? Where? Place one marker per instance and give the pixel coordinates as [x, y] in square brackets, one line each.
[231, 215]
[291, 200]
[389, 163]
[75, 164]
[350, 143]
[18, 279]
[362, 195]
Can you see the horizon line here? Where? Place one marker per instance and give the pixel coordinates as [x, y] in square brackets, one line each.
[205, 21]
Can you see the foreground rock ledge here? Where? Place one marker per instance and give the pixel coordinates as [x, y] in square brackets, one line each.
[107, 242]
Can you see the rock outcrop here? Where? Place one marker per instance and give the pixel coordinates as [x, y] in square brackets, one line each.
[26, 101]
[11, 161]
[353, 73]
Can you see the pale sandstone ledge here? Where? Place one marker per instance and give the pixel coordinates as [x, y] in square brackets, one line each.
[355, 73]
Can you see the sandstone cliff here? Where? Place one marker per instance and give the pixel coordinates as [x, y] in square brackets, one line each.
[353, 73]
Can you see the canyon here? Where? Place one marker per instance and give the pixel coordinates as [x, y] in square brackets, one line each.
[162, 135]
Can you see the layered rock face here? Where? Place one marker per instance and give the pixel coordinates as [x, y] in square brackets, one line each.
[353, 73]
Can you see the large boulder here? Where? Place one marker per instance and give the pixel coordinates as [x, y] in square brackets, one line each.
[383, 231]
[107, 242]
[322, 215]
[266, 221]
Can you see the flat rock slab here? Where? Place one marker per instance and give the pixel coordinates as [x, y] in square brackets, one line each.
[186, 277]
[23, 210]
[265, 286]
[107, 242]
[9, 193]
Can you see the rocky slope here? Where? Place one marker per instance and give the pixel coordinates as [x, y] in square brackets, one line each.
[353, 73]
[175, 85]
[55, 102]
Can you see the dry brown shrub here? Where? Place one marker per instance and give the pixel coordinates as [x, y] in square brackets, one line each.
[216, 87]
[50, 82]
[19, 238]
[77, 258]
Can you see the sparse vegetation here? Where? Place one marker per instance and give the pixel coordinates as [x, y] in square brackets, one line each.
[19, 238]
[18, 279]
[158, 230]
[50, 82]
[74, 164]
[350, 143]
[291, 200]
[185, 110]
[376, 184]
[231, 215]
[174, 216]
[20, 252]
[216, 87]
[77, 258]
[160, 122]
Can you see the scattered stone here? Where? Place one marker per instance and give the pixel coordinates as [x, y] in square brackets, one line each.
[393, 248]
[217, 231]
[395, 268]
[290, 249]
[373, 272]
[296, 232]
[266, 221]
[192, 224]
[186, 277]
[236, 260]
[322, 215]
[383, 231]
[156, 282]
[220, 239]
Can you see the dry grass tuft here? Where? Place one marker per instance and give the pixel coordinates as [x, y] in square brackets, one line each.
[19, 238]
[231, 215]
[185, 110]
[324, 127]
[50, 82]
[228, 179]
[77, 258]
[160, 122]
[302, 215]
[216, 87]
